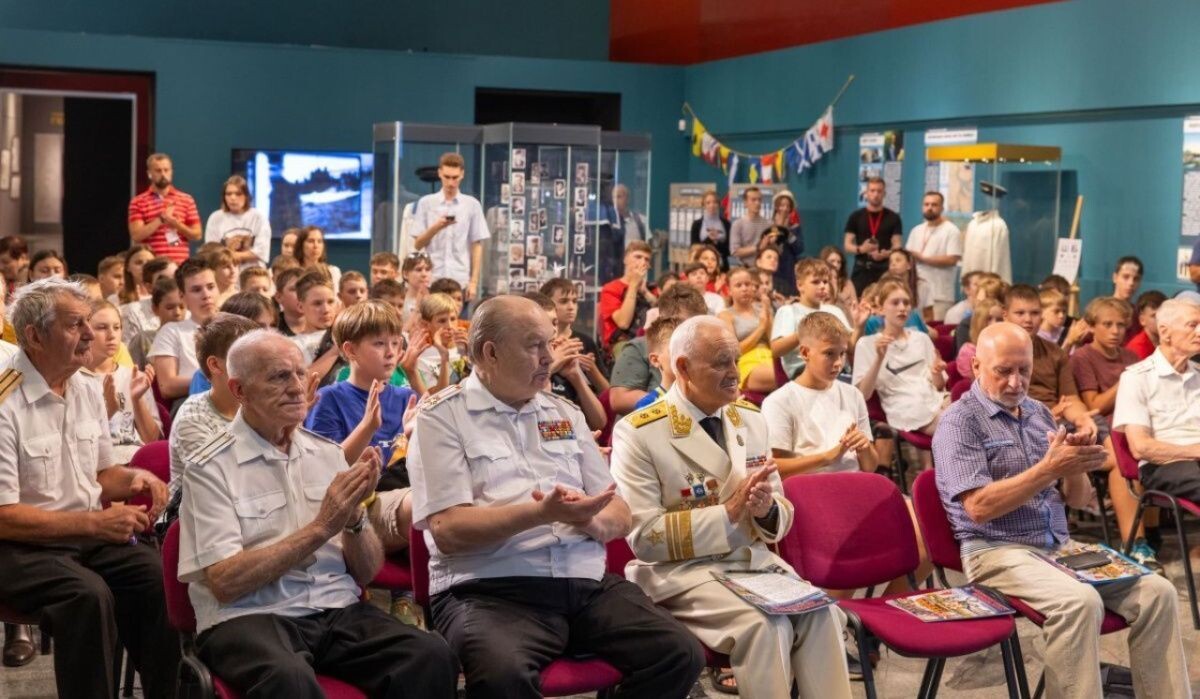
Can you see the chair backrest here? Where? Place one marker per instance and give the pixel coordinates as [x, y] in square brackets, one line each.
[1126, 461]
[952, 375]
[945, 344]
[851, 530]
[418, 559]
[935, 525]
[610, 418]
[179, 606]
[154, 457]
[164, 416]
[875, 408]
[618, 555]
[958, 389]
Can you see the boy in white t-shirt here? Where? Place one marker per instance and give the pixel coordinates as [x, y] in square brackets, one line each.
[173, 353]
[814, 280]
[817, 423]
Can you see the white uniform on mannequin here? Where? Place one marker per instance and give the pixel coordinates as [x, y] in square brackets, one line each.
[985, 241]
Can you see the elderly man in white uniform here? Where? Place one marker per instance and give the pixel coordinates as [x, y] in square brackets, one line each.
[695, 467]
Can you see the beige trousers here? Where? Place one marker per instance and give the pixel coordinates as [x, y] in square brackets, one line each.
[382, 514]
[1074, 611]
[768, 652]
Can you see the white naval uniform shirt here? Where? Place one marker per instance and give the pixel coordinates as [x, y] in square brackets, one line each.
[240, 492]
[51, 447]
[1153, 395]
[450, 250]
[469, 448]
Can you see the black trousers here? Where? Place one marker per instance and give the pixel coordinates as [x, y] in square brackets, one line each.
[1181, 479]
[89, 594]
[505, 630]
[267, 655]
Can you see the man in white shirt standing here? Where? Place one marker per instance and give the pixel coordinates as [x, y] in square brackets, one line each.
[450, 227]
[937, 245]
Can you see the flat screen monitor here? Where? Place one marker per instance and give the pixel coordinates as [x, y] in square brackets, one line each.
[295, 188]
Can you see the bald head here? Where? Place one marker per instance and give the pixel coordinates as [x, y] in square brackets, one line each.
[268, 375]
[495, 317]
[1004, 363]
[510, 348]
[248, 353]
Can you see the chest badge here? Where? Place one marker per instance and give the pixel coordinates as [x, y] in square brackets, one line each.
[554, 430]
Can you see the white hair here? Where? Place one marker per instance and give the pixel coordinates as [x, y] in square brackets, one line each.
[36, 304]
[684, 338]
[1174, 312]
[240, 360]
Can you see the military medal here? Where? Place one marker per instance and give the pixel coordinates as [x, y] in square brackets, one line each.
[753, 462]
[553, 430]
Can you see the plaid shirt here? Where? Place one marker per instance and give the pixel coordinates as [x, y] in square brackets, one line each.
[978, 442]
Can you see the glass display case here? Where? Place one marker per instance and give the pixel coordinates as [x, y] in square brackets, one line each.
[1015, 189]
[625, 162]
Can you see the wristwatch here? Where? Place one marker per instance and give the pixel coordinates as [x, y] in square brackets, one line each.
[770, 516]
[358, 525]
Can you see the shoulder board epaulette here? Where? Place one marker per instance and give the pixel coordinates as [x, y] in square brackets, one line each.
[319, 436]
[655, 411]
[9, 380]
[1141, 367]
[743, 403]
[437, 398]
[210, 448]
[561, 399]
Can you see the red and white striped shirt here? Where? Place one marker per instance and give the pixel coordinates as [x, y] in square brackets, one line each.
[165, 241]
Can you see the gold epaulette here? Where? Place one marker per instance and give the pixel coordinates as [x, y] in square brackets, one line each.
[655, 411]
[9, 380]
[437, 398]
[743, 403]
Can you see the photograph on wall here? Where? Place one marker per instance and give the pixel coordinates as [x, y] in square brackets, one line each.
[579, 289]
[518, 183]
[518, 162]
[535, 192]
[516, 254]
[581, 173]
[505, 192]
[534, 266]
[518, 207]
[531, 287]
[533, 246]
[881, 155]
[535, 173]
[516, 229]
[579, 221]
[560, 189]
[581, 196]
[580, 244]
[559, 235]
[516, 275]
[1191, 177]
[543, 219]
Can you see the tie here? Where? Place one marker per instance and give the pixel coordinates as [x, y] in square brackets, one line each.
[712, 427]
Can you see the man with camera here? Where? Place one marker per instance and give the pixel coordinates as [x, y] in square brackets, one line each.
[999, 454]
[450, 227]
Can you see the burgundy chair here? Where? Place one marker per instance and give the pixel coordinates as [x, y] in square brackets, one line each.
[852, 531]
[919, 440]
[154, 457]
[944, 553]
[164, 416]
[619, 554]
[959, 388]
[562, 677]
[183, 618]
[952, 375]
[945, 343]
[611, 417]
[1157, 498]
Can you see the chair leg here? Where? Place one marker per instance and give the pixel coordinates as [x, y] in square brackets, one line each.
[933, 678]
[1133, 527]
[1018, 663]
[864, 657]
[46, 642]
[1037, 693]
[1187, 566]
[1101, 491]
[128, 690]
[1010, 675]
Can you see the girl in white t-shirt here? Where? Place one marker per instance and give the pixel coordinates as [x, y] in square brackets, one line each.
[901, 264]
[132, 416]
[243, 231]
[902, 365]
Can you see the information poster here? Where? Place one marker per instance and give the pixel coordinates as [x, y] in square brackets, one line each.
[881, 155]
[687, 205]
[1067, 257]
[1190, 227]
[955, 180]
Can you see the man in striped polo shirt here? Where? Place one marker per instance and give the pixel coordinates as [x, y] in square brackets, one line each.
[162, 216]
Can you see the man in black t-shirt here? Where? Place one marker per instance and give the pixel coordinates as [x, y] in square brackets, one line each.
[872, 233]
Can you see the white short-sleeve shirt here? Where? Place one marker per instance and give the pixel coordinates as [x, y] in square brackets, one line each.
[788, 318]
[904, 383]
[469, 448]
[51, 447]
[1152, 394]
[940, 240]
[178, 339]
[223, 225]
[805, 421]
[241, 493]
[450, 249]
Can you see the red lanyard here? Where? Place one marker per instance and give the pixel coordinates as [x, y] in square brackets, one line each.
[873, 223]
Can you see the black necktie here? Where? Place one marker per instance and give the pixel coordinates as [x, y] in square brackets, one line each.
[712, 427]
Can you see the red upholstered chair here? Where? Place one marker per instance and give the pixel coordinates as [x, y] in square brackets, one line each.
[183, 619]
[945, 344]
[164, 416]
[919, 440]
[853, 530]
[952, 375]
[944, 553]
[958, 389]
[611, 417]
[154, 457]
[562, 677]
[1128, 464]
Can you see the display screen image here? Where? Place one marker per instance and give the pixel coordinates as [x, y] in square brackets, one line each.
[296, 188]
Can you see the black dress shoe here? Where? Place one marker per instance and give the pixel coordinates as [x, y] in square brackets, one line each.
[18, 645]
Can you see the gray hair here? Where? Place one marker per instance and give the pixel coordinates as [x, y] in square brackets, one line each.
[491, 320]
[1173, 312]
[683, 340]
[240, 361]
[36, 304]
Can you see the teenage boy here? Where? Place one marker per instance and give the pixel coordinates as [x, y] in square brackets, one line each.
[256, 279]
[314, 290]
[625, 300]
[206, 414]
[384, 265]
[1145, 342]
[173, 353]
[696, 274]
[291, 313]
[566, 310]
[962, 310]
[813, 281]
[449, 225]
[746, 232]
[111, 273]
[1127, 279]
[167, 304]
[390, 292]
[658, 342]
[352, 289]
[568, 378]
[632, 375]
[366, 411]
[817, 423]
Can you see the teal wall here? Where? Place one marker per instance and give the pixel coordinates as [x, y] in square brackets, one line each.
[1107, 80]
[216, 96]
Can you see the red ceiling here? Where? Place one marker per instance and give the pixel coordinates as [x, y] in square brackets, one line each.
[683, 32]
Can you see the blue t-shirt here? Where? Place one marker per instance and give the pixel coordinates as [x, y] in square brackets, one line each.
[199, 384]
[875, 323]
[650, 397]
[340, 408]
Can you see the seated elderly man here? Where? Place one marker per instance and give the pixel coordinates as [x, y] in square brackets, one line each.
[275, 543]
[1158, 404]
[696, 469]
[81, 569]
[999, 455]
[518, 504]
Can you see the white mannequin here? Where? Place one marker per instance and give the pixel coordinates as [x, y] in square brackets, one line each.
[985, 240]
